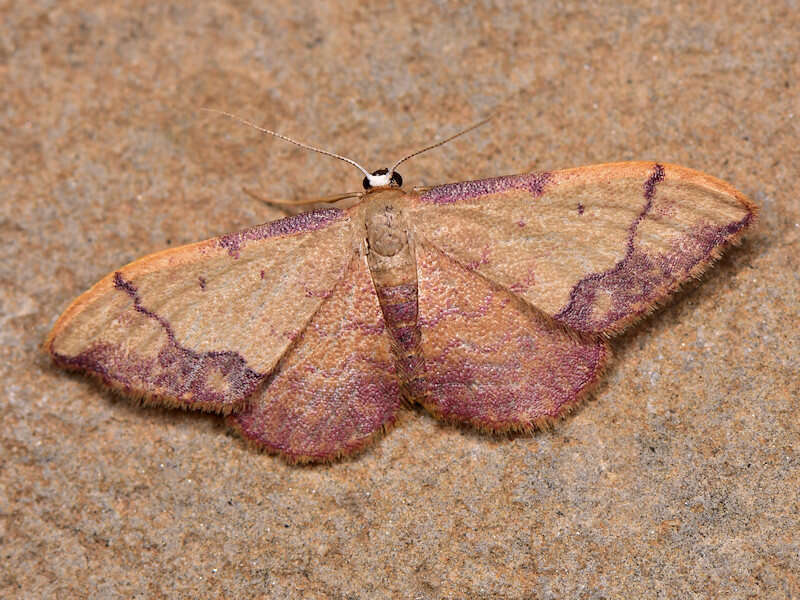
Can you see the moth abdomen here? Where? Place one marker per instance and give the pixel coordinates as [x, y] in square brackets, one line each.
[392, 263]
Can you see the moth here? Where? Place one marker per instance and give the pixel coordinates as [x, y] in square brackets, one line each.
[489, 302]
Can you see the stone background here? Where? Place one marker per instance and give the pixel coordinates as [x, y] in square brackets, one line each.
[678, 479]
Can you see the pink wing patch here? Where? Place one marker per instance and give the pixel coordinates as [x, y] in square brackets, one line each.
[609, 300]
[336, 388]
[490, 360]
[216, 379]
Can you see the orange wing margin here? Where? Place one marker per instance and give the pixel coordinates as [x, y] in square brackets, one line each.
[201, 325]
[594, 247]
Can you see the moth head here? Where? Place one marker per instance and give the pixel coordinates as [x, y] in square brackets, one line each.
[382, 178]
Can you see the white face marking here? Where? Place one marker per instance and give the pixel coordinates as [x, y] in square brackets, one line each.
[380, 180]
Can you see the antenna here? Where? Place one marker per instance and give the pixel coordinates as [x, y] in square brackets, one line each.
[441, 143]
[379, 178]
[287, 138]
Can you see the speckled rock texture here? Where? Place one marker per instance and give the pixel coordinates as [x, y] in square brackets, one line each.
[678, 479]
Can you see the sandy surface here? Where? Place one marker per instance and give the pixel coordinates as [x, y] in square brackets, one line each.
[678, 479]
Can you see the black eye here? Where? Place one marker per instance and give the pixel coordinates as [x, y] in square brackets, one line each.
[397, 179]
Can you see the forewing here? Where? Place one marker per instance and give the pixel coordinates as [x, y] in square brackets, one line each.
[490, 359]
[201, 325]
[594, 247]
[336, 388]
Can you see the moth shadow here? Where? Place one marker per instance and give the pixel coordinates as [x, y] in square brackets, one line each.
[134, 407]
[541, 427]
[678, 306]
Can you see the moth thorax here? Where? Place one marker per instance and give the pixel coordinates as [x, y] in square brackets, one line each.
[386, 229]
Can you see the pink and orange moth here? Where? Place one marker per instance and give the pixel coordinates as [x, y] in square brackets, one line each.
[488, 302]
